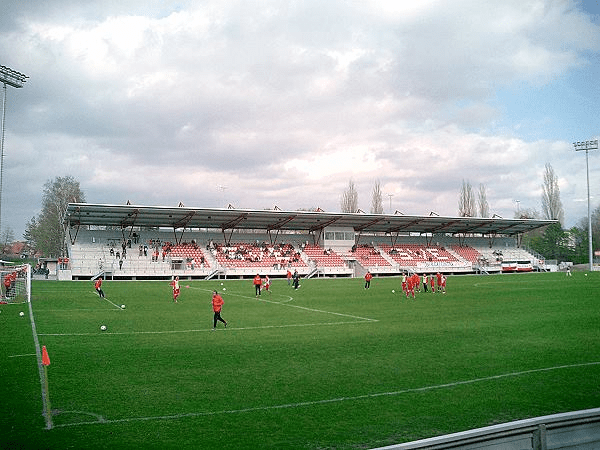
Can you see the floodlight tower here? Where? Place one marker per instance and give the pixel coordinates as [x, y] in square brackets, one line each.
[588, 145]
[17, 80]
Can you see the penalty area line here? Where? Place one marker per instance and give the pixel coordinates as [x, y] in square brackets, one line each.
[330, 400]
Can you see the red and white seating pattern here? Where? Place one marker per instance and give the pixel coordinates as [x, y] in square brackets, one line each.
[415, 254]
[323, 257]
[244, 255]
[368, 256]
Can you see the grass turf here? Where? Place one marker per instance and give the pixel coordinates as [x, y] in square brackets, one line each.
[330, 365]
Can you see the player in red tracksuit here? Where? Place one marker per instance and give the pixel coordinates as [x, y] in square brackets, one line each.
[257, 284]
[368, 277]
[217, 304]
[98, 286]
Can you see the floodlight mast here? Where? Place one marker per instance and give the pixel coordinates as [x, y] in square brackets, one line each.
[17, 80]
[588, 145]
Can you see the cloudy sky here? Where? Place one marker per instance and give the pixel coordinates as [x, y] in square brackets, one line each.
[281, 103]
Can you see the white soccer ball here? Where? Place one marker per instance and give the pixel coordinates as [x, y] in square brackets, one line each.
[103, 327]
[122, 306]
[224, 289]
[393, 291]
[21, 313]
[586, 274]
[221, 284]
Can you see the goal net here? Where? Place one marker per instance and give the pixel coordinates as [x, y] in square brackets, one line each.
[15, 284]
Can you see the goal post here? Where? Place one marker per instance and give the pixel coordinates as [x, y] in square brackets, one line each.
[15, 284]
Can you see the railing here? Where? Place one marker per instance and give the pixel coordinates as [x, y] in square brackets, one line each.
[577, 430]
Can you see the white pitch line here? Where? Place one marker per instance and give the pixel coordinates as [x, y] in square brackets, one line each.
[19, 356]
[229, 328]
[299, 307]
[331, 400]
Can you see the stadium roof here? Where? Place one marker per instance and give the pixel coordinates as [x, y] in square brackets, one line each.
[125, 216]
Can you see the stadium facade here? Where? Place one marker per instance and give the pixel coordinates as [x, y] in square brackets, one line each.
[145, 242]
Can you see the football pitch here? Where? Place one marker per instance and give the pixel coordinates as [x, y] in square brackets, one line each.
[330, 365]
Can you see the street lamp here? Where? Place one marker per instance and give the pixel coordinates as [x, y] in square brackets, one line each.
[588, 145]
[16, 80]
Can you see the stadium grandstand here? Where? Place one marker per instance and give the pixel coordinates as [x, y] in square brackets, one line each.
[146, 242]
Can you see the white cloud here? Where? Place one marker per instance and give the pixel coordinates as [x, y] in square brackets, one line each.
[284, 102]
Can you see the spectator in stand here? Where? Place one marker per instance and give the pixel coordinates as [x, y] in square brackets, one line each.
[257, 284]
[368, 277]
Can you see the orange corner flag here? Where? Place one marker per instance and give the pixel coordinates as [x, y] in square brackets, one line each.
[45, 357]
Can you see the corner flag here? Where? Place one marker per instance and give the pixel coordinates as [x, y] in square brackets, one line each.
[45, 357]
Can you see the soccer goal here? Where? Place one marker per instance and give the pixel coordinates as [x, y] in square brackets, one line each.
[16, 284]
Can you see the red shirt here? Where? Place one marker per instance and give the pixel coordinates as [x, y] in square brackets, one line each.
[217, 302]
[98, 283]
[368, 276]
[257, 280]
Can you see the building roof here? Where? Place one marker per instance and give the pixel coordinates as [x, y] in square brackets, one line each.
[125, 216]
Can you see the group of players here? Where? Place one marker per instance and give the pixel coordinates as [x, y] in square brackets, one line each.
[415, 283]
[410, 284]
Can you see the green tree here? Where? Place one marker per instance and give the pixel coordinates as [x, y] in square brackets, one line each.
[46, 233]
[553, 243]
[7, 237]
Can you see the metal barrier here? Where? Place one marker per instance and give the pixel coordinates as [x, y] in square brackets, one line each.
[579, 430]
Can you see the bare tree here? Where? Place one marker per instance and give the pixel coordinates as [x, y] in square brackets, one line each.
[552, 207]
[466, 201]
[349, 203]
[46, 233]
[484, 207]
[7, 237]
[377, 199]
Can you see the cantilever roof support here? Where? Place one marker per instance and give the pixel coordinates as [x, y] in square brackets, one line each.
[182, 223]
[77, 224]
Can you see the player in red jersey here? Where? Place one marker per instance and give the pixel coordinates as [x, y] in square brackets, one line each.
[176, 291]
[267, 284]
[98, 287]
[410, 286]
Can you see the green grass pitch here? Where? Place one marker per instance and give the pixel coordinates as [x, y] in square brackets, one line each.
[330, 365]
